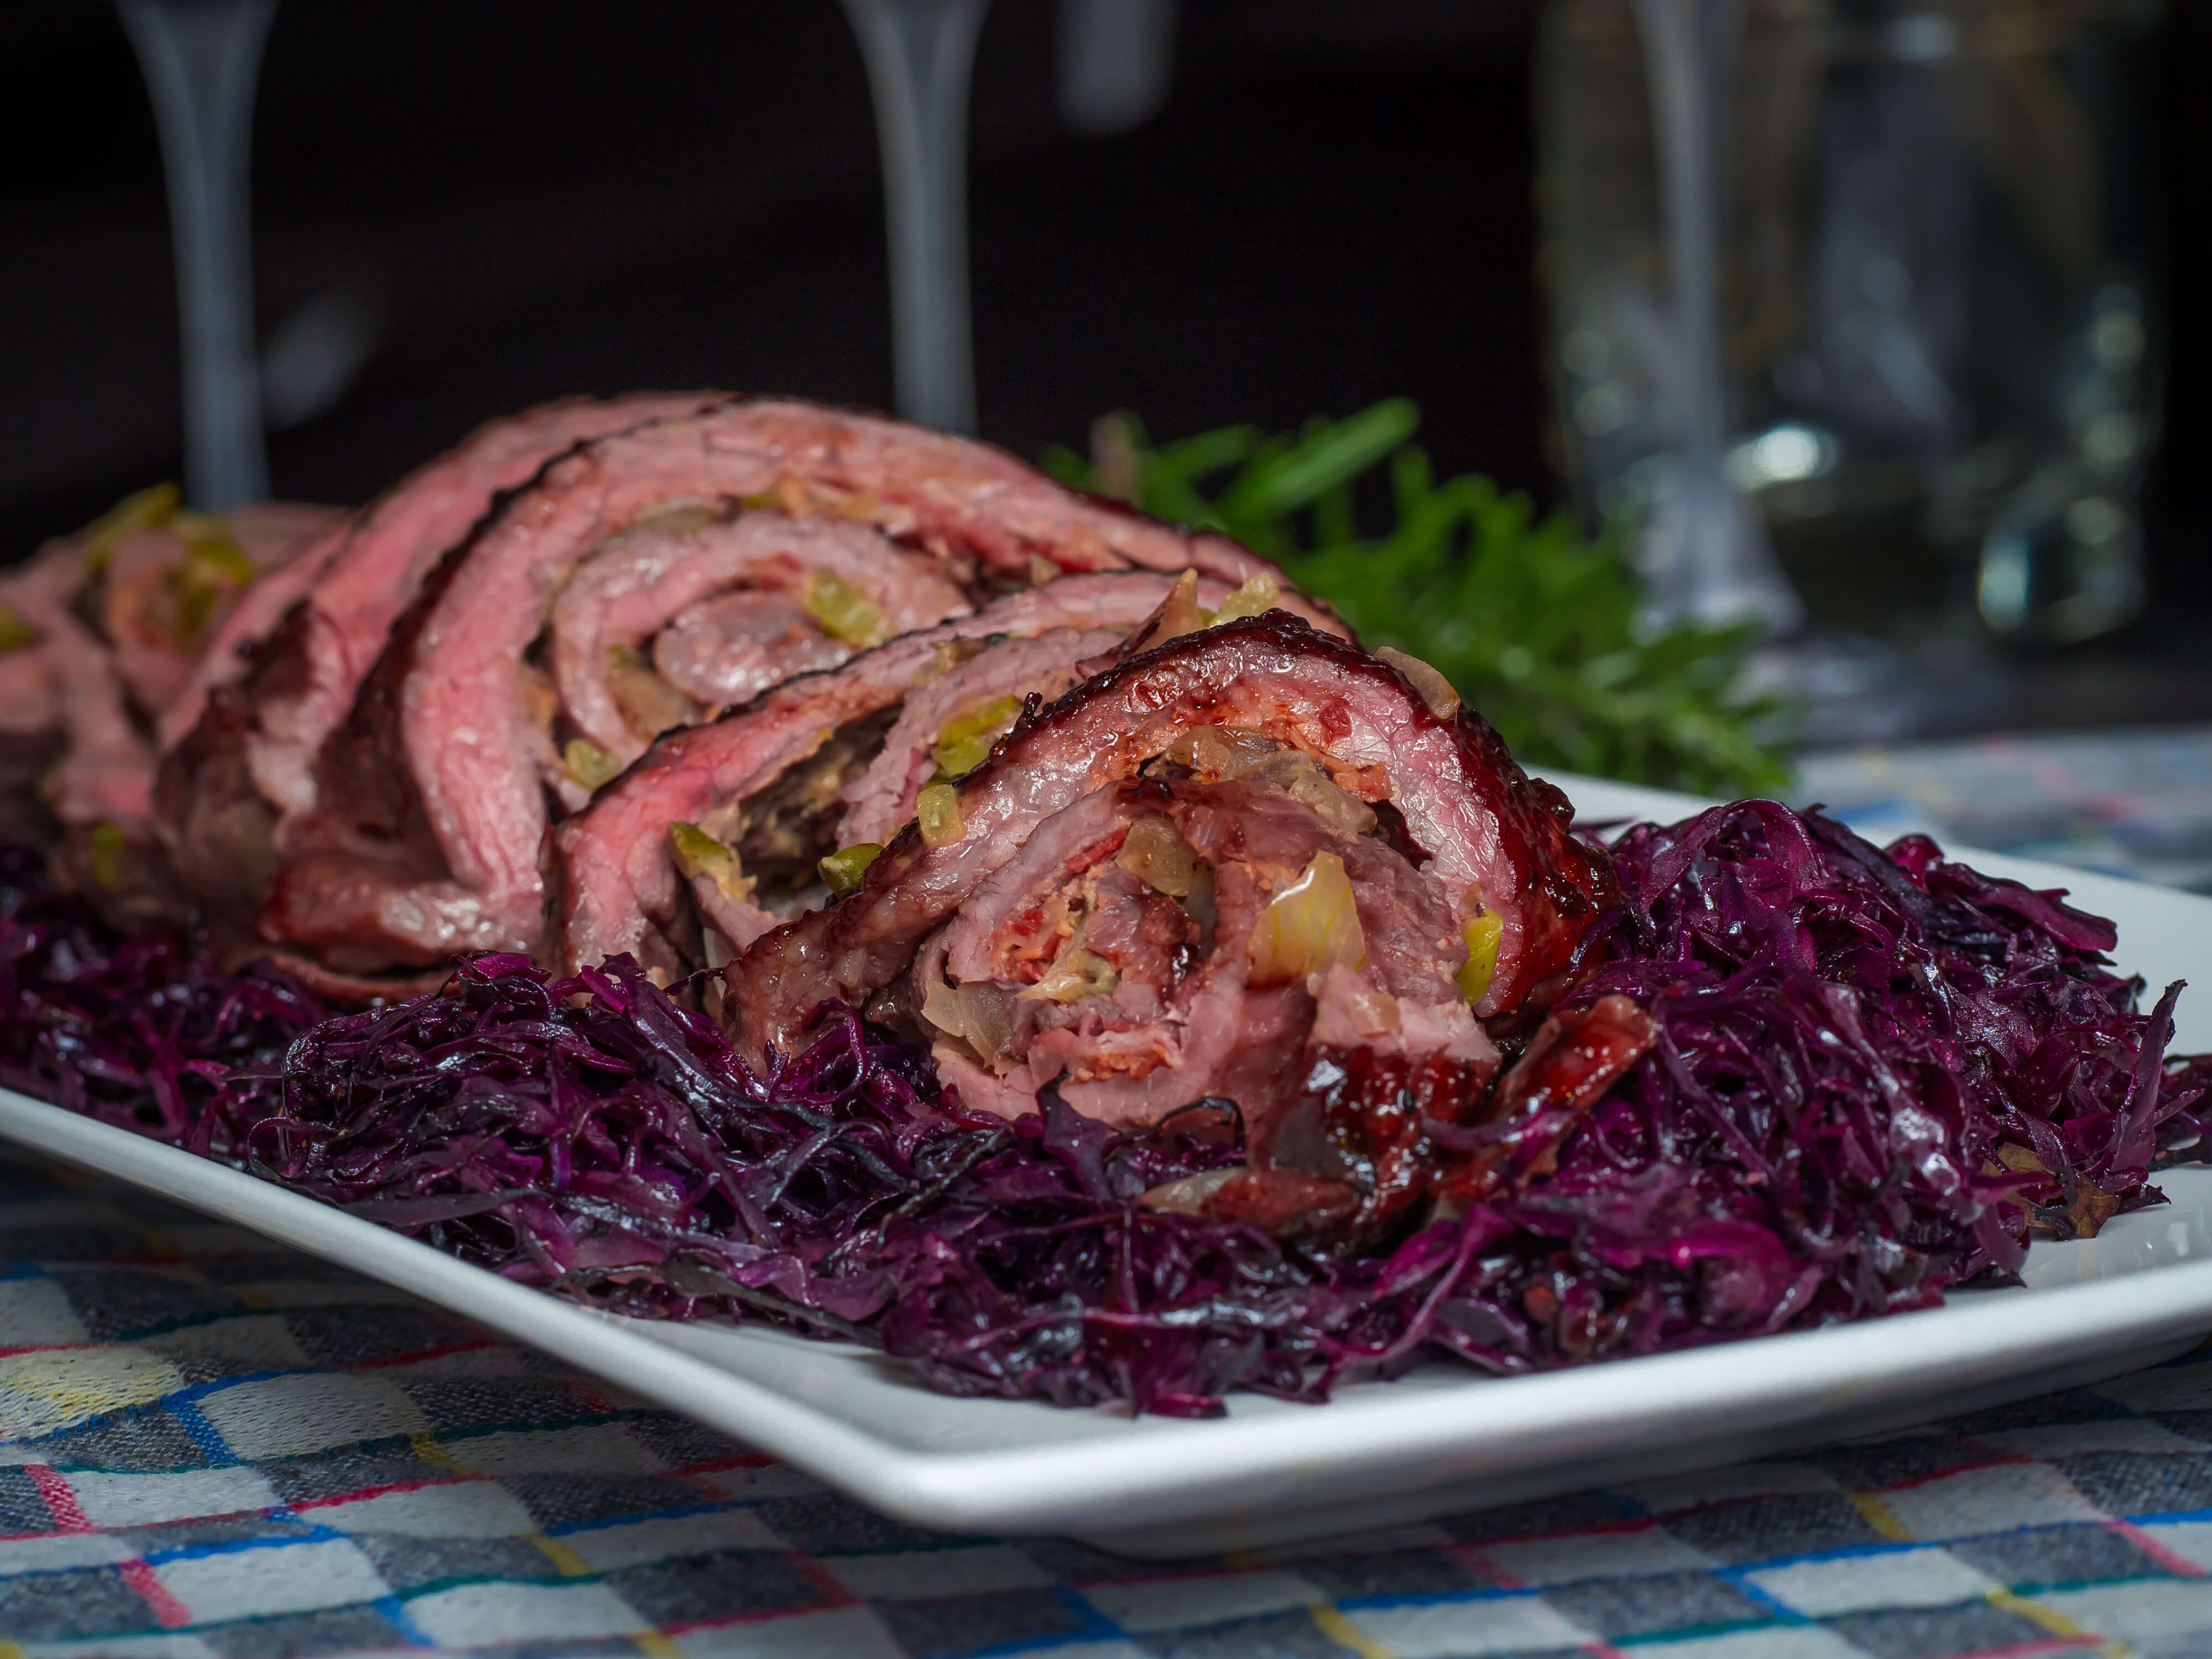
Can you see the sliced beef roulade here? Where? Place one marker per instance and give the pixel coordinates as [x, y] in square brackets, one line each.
[719, 552]
[239, 758]
[1171, 882]
[720, 832]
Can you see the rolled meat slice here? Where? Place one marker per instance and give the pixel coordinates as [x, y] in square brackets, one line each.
[97, 633]
[240, 739]
[717, 834]
[434, 796]
[169, 592]
[1162, 941]
[1380, 756]
[98, 770]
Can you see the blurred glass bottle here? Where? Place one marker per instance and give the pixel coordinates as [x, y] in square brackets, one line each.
[1939, 325]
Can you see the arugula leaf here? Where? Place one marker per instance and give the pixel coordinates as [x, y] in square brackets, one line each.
[1535, 623]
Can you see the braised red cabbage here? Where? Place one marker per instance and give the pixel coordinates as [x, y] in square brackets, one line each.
[140, 1031]
[1879, 1074]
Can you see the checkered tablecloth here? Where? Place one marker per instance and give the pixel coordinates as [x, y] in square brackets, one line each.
[213, 1446]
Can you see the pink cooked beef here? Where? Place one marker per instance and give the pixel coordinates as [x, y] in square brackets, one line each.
[721, 609]
[361, 575]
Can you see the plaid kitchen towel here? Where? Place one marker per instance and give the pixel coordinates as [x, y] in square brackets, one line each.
[212, 1446]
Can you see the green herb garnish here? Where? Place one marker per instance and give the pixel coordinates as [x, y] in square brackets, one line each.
[1534, 623]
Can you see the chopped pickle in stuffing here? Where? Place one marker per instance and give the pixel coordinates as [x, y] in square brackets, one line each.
[1075, 972]
[107, 853]
[673, 519]
[841, 870]
[589, 764]
[698, 854]
[1483, 930]
[965, 741]
[215, 568]
[148, 509]
[843, 612]
[1309, 926]
[14, 632]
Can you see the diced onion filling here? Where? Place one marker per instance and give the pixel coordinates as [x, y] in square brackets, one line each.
[975, 1014]
[1436, 691]
[1254, 597]
[1155, 852]
[1309, 926]
[1181, 613]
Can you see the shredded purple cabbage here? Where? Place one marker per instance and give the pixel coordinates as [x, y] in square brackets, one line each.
[139, 1031]
[1879, 1074]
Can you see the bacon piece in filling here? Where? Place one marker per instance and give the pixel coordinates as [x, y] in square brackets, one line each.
[823, 762]
[1264, 691]
[434, 798]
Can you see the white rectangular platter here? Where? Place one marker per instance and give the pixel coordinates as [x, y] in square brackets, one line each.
[1444, 1438]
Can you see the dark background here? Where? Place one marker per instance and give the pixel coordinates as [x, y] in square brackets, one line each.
[510, 203]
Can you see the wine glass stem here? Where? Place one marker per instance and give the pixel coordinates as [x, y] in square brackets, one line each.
[1714, 561]
[919, 54]
[201, 59]
[1684, 41]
